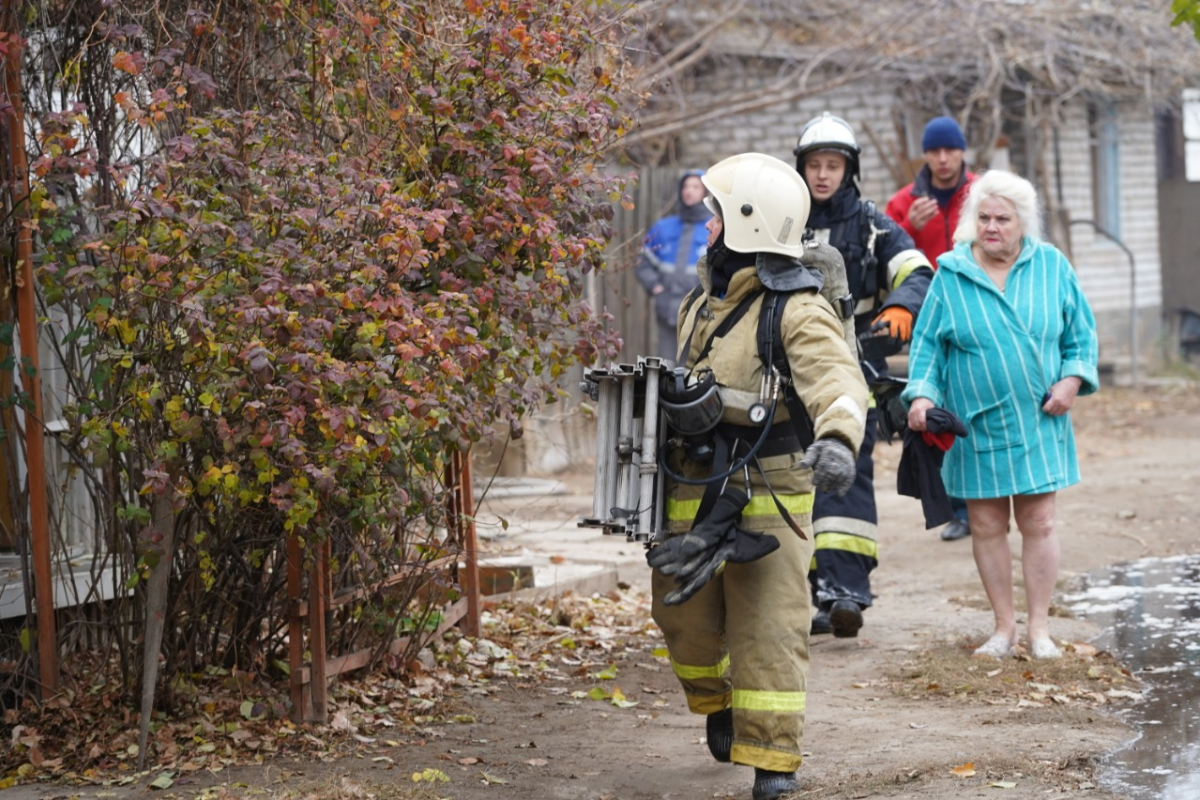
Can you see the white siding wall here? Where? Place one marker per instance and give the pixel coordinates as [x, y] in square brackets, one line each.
[1103, 267]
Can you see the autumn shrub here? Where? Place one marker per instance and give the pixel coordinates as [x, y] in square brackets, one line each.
[352, 239]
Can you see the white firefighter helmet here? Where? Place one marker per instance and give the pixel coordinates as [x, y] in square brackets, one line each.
[828, 132]
[763, 203]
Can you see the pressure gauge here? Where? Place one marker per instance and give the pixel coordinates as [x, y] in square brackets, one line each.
[757, 414]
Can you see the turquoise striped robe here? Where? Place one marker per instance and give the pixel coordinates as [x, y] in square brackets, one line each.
[990, 357]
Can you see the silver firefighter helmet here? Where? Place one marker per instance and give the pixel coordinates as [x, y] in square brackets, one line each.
[828, 132]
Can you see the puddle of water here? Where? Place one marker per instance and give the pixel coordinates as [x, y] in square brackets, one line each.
[1150, 612]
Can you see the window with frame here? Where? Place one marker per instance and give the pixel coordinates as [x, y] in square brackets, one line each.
[1191, 134]
[1104, 144]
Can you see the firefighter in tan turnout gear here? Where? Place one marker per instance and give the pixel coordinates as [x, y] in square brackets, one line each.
[730, 573]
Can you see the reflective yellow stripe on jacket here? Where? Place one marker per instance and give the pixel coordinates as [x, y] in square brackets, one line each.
[759, 505]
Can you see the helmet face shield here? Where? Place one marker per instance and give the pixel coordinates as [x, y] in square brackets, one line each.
[763, 204]
[712, 205]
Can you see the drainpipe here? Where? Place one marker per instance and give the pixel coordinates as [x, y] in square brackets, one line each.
[1133, 320]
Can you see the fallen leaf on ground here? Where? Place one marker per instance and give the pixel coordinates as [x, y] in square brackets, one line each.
[164, 781]
[431, 775]
[964, 770]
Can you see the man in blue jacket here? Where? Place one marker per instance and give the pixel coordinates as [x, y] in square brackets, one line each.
[888, 278]
[668, 263]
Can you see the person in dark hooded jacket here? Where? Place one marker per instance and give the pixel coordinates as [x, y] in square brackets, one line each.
[888, 278]
[673, 245]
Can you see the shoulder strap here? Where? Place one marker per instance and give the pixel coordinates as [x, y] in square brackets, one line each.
[689, 300]
[870, 234]
[738, 312]
[772, 353]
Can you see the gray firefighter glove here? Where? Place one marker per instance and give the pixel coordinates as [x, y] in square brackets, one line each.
[832, 464]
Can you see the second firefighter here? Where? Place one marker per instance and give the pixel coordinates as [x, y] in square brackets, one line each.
[888, 278]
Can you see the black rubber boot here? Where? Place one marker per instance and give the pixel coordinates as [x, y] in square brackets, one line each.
[719, 727]
[770, 785]
[820, 624]
[846, 618]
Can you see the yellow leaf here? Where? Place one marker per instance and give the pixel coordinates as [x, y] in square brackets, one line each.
[431, 775]
[964, 771]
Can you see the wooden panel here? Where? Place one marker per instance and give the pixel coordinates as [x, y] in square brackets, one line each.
[619, 291]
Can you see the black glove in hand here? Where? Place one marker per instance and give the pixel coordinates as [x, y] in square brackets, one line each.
[670, 556]
[738, 547]
[693, 558]
[703, 574]
[832, 464]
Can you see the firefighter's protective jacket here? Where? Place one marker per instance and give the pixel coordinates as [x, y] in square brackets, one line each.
[894, 261]
[825, 374]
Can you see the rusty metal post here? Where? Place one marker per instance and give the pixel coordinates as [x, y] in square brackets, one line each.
[35, 444]
[462, 496]
[301, 700]
[319, 595]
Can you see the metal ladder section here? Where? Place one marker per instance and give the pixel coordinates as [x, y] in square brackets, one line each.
[628, 481]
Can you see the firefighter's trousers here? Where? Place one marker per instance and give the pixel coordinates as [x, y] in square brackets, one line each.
[742, 642]
[846, 545]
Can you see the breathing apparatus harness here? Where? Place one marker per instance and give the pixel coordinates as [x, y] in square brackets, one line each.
[692, 407]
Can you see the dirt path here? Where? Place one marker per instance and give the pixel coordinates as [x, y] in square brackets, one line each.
[892, 713]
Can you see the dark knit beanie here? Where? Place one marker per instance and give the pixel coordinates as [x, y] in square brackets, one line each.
[943, 132]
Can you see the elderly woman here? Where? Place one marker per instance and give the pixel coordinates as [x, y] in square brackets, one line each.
[1006, 341]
